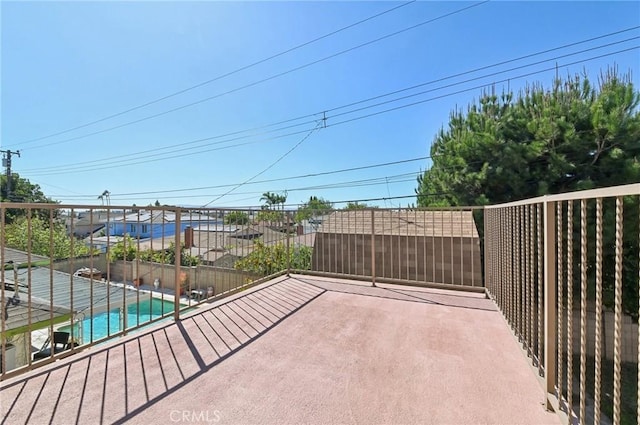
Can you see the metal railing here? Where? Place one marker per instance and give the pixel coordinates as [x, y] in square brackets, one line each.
[101, 272]
[564, 271]
[95, 273]
[436, 247]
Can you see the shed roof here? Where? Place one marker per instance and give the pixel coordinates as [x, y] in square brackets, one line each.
[38, 309]
[452, 223]
[68, 290]
[18, 257]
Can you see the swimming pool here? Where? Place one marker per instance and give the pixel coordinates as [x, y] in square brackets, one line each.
[109, 323]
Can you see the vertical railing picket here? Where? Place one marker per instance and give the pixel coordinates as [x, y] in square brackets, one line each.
[550, 318]
[373, 248]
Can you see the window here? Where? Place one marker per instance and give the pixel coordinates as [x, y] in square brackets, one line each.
[132, 228]
[145, 228]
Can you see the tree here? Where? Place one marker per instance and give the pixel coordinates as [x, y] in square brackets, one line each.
[507, 148]
[126, 249]
[270, 199]
[268, 259]
[269, 216]
[36, 235]
[358, 206]
[273, 200]
[281, 200]
[313, 208]
[168, 256]
[24, 191]
[574, 136]
[236, 217]
[105, 196]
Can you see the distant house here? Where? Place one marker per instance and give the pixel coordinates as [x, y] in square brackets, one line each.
[102, 243]
[423, 246]
[156, 224]
[257, 231]
[218, 244]
[88, 222]
[225, 244]
[213, 237]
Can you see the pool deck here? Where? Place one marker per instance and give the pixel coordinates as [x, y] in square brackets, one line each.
[298, 349]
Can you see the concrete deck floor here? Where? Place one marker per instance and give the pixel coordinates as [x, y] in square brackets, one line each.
[298, 350]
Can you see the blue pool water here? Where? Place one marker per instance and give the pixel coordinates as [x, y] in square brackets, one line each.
[108, 323]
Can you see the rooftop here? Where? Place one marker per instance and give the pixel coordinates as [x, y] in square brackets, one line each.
[161, 216]
[453, 223]
[298, 349]
[41, 312]
[18, 257]
[41, 280]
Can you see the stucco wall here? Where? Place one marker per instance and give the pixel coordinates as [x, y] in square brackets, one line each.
[200, 277]
[70, 266]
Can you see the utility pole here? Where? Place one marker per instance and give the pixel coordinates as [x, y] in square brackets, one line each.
[6, 162]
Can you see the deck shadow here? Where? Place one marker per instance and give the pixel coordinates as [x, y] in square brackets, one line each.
[115, 383]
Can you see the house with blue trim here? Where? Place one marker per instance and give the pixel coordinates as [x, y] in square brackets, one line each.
[156, 224]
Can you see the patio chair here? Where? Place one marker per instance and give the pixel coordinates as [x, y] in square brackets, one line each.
[60, 343]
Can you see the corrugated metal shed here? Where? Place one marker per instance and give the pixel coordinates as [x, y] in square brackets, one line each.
[73, 292]
[17, 315]
[19, 257]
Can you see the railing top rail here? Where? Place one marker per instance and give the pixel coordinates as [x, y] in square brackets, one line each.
[127, 208]
[605, 192]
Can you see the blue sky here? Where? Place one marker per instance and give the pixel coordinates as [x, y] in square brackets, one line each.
[66, 64]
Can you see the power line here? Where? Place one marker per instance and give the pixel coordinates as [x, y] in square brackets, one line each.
[386, 198]
[344, 184]
[86, 163]
[268, 167]
[372, 98]
[383, 180]
[602, 46]
[115, 164]
[398, 178]
[228, 74]
[358, 102]
[62, 169]
[272, 77]
[480, 86]
[482, 68]
[145, 154]
[380, 181]
[324, 173]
